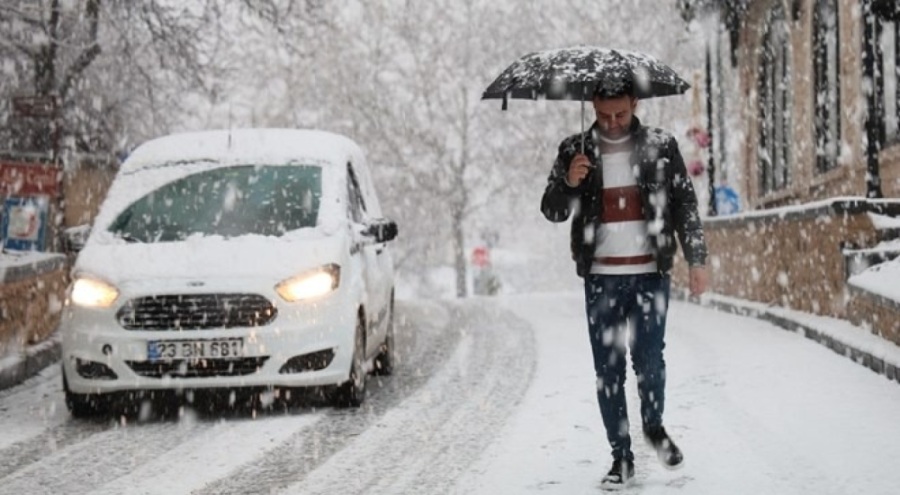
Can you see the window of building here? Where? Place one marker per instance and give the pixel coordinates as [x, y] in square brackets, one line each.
[890, 46]
[774, 93]
[826, 70]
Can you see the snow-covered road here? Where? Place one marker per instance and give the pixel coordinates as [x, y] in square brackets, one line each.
[496, 396]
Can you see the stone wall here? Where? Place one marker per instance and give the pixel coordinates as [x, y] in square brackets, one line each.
[878, 314]
[33, 285]
[32, 292]
[790, 257]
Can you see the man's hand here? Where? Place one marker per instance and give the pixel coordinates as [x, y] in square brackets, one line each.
[578, 170]
[699, 280]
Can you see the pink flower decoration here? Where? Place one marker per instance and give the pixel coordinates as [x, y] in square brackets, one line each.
[700, 137]
[696, 168]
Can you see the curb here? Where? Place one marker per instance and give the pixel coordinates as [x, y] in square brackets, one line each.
[32, 361]
[859, 356]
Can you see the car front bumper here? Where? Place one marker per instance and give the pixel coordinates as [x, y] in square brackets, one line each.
[99, 356]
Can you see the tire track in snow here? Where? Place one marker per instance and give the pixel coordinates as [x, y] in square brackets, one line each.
[27, 452]
[110, 454]
[426, 336]
[36, 423]
[428, 441]
[30, 409]
[219, 450]
[64, 457]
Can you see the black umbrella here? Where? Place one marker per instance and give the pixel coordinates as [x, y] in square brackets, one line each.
[574, 73]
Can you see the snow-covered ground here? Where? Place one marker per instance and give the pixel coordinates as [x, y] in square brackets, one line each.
[24, 259]
[881, 279]
[496, 396]
[755, 408]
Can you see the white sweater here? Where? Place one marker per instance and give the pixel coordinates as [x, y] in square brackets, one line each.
[623, 247]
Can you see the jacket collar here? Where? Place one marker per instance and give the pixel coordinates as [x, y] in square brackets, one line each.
[636, 129]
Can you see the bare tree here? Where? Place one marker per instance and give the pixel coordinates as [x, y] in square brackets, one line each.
[411, 77]
[148, 56]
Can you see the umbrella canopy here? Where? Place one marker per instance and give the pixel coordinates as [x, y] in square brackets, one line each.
[574, 73]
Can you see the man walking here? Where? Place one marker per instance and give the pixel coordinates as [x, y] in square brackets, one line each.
[629, 194]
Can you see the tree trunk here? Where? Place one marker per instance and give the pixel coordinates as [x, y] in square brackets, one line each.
[459, 253]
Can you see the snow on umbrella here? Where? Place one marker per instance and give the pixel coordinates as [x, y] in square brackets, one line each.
[574, 73]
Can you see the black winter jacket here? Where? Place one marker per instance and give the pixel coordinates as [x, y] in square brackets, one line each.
[668, 199]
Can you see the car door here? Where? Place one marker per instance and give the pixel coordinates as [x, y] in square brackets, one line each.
[385, 272]
[368, 260]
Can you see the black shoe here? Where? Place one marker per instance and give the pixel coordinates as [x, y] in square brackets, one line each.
[619, 476]
[668, 453]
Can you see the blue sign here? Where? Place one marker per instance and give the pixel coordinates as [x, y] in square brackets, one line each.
[24, 224]
[728, 202]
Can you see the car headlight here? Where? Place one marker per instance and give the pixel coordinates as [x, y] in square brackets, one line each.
[310, 285]
[93, 293]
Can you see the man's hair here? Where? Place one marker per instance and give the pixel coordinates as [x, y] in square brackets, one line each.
[613, 88]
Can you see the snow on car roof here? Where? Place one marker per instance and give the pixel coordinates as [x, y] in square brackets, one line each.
[257, 146]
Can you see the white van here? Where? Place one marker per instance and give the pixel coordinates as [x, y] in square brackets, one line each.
[224, 259]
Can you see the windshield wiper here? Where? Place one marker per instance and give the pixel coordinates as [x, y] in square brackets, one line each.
[128, 237]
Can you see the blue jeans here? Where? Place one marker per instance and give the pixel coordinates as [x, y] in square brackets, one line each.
[614, 303]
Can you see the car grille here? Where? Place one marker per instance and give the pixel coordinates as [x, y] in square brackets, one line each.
[199, 368]
[196, 312]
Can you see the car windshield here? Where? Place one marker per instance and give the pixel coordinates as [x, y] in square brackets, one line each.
[232, 201]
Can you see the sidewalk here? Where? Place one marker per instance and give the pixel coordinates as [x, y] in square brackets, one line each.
[16, 369]
[841, 336]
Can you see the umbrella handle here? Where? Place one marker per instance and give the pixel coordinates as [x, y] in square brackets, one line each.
[582, 120]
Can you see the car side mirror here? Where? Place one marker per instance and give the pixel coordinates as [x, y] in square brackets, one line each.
[382, 230]
[74, 238]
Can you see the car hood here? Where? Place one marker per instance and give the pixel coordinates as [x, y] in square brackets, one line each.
[209, 258]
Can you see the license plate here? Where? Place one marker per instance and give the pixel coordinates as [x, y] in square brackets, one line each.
[164, 350]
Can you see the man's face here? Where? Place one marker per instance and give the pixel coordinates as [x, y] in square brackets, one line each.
[614, 115]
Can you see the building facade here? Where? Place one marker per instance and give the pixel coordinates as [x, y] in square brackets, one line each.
[802, 97]
[803, 114]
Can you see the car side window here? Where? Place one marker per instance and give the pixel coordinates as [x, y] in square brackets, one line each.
[357, 203]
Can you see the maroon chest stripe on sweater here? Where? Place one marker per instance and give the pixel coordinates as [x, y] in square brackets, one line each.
[622, 204]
